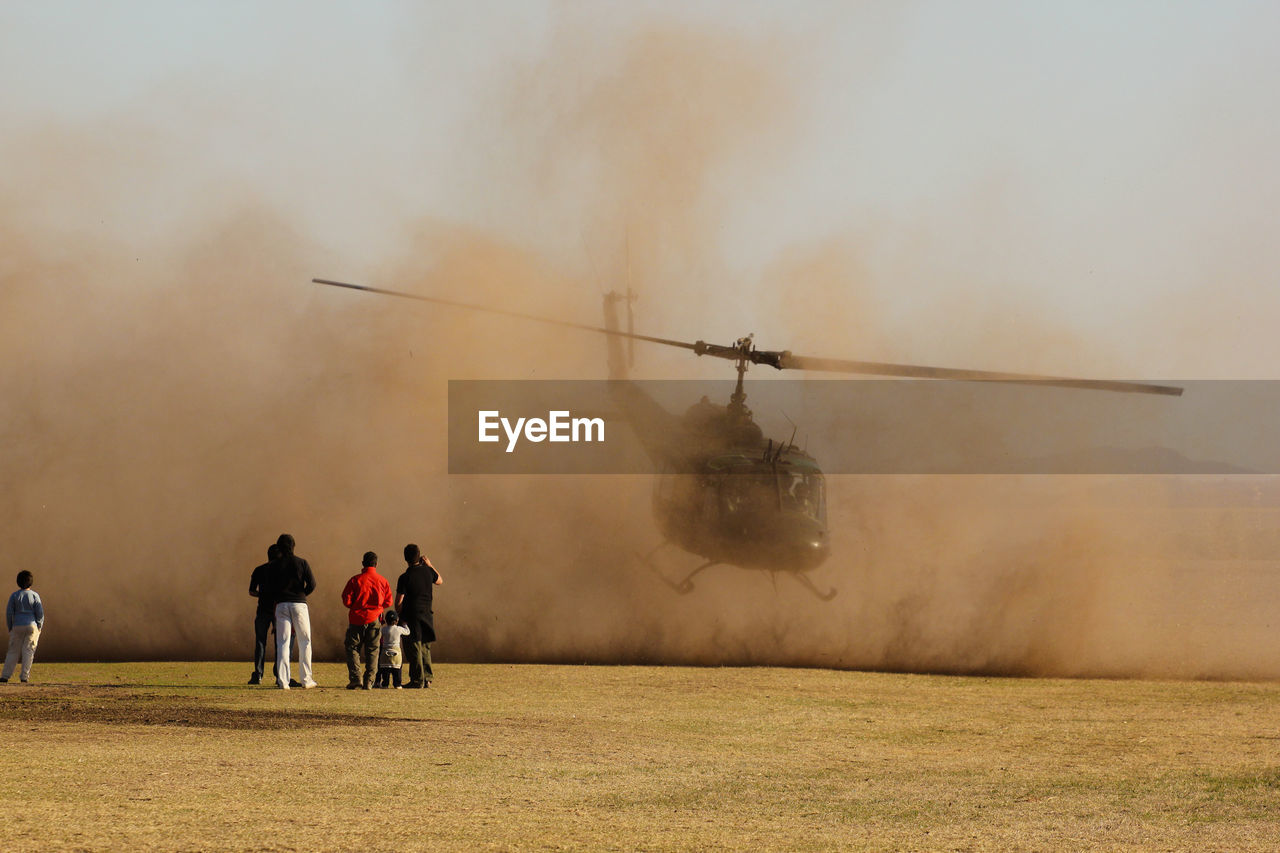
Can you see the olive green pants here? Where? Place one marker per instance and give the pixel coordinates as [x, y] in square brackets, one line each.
[361, 644]
[419, 655]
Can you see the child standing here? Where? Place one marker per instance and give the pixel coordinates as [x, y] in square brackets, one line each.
[24, 616]
[389, 657]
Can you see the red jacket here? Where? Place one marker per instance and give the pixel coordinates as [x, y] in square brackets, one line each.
[366, 596]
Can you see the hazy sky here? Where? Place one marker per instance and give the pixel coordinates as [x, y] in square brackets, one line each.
[1109, 165]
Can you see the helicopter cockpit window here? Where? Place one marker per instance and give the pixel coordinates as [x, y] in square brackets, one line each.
[802, 491]
[748, 493]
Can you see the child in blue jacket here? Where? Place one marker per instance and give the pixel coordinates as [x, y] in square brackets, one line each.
[24, 617]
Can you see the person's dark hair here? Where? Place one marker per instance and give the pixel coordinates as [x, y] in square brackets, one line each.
[370, 559]
[391, 617]
[290, 565]
[273, 553]
[25, 579]
[412, 553]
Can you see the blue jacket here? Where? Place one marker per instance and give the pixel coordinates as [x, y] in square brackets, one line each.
[24, 608]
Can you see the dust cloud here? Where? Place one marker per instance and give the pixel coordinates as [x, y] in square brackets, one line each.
[175, 401]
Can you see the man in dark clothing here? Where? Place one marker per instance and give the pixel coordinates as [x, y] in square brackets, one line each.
[413, 601]
[366, 595]
[259, 588]
[292, 582]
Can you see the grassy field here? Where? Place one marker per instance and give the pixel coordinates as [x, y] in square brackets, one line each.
[184, 756]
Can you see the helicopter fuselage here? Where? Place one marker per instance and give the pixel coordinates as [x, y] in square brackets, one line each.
[746, 507]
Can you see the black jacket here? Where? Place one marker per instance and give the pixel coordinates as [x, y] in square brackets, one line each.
[291, 580]
[416, 585]
[261, 586]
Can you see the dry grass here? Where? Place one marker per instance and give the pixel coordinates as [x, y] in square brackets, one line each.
[182, 756]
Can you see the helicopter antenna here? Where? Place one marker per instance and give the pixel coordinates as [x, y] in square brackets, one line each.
[792, 441]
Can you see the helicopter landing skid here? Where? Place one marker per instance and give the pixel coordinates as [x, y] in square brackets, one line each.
[683, 587]
[804, 581]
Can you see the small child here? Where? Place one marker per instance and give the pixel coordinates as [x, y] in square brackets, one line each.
[24, 616]
[389, 657]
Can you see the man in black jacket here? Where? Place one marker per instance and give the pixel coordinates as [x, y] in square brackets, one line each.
[413, 601]
[260, 588]
[292, 582]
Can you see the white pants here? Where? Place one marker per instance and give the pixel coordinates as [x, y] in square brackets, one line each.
[293, 617]
[22, 643]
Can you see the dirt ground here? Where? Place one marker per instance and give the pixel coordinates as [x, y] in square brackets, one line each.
[185, 756]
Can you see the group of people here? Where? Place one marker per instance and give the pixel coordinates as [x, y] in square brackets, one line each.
[377, 621]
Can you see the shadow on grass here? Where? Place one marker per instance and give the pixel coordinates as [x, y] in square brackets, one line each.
[156, 710]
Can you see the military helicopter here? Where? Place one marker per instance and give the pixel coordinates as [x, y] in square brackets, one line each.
[724, 491]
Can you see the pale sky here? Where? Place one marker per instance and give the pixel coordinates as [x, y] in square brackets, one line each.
[1108, 165]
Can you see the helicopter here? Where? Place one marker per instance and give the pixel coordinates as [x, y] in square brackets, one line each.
[724, 491]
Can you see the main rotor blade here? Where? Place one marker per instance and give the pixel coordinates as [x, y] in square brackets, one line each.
[787, 361]
[451, 303]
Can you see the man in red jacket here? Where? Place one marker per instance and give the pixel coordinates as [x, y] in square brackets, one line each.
[366, 595]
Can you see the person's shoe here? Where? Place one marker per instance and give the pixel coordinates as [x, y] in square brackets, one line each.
[282, 686]
[413, 685]
[310, 684]
[23, 680]
[293, 682]
[399, 687]
[379, 687]
[255, 678]
[353, 685]
[426, 684]
[4, 681]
